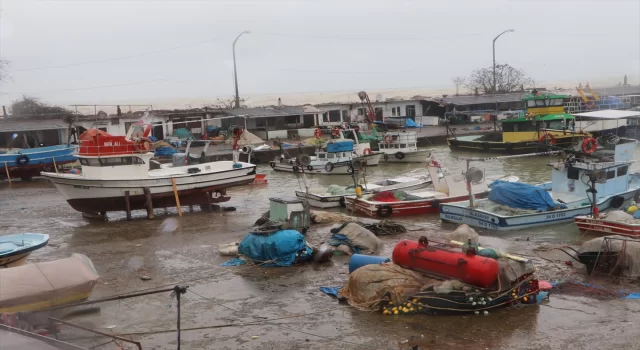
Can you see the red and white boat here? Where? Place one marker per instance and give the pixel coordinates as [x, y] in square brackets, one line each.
[448, 188]
[607, 224]
[116, 166]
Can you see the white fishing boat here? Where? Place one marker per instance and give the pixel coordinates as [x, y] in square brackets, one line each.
[362, 150]
[323, 199]
[604, 167]
[116, 167]
[337, 159]
[402, 147]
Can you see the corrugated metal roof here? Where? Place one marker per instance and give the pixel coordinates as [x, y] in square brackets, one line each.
[32, 125]
[270, 111]
[480, 99]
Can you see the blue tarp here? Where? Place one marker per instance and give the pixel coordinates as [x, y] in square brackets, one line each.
[281, 246]
[338, 239]
[164, 151]
[522, 196]
[409, 123]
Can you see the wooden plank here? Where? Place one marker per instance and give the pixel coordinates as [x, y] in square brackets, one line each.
[149, 203]
[127, 205]
[175, 193]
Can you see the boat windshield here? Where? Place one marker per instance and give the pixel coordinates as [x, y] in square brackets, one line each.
[545, 102]
[349, 134]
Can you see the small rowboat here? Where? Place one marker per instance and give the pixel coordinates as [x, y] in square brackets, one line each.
[14, 249]
[605, 226]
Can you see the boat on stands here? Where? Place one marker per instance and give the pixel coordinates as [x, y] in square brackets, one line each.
[604, 167]
[324, 199]
[337, 159]
[402, 147]
[26, 163]
[543, 122]
[115, 168]
[14, 249]
[447, 188]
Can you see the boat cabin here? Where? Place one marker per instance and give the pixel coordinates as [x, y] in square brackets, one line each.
[398, 142]
[543, 111]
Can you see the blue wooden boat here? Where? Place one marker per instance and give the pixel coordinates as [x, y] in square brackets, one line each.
[15, 248]
[29, 162]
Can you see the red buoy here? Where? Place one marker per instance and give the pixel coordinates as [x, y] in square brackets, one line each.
[466, 267]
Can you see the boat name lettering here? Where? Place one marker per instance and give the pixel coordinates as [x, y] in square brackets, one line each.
[160, 181]
[112, 143]
[453, 217]
[487, 225]
[480, 216]
[81, 187]
[206, 167]
[556, 215]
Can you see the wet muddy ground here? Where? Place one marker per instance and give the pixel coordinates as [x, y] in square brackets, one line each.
[250, 307]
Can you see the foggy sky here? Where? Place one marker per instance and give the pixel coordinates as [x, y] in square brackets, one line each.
[301, 46]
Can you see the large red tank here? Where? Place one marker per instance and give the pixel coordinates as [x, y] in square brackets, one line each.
[466, 267]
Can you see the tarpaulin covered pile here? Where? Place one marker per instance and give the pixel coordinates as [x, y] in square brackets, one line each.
[358, 238]
[393, 196]
[281, 248]
[522, 196]
[41, 285]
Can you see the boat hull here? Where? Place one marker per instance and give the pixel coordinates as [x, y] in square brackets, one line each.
[14, 249]
[522, 147]
[459, 214]
[320, 201]
[94, 196]
[587, 224]
[37, 160]
[419, 156]
[404, 208]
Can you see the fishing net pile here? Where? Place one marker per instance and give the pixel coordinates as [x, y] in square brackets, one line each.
[393, 196]
[587, 290]
[628, 261]
[245, 139]
[500, 209]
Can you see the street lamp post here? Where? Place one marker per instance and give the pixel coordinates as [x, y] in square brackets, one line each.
[494, 58]
[235, 72]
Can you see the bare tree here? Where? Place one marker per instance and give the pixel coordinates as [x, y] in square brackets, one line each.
[3, 70]
[508, 79]
[458, 82]
[32, 107]
[226, 103]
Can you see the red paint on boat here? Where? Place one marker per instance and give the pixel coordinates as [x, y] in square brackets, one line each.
[466, 267]
[588, 224]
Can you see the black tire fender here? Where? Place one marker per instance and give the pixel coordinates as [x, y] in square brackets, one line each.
[342, 202]
[435, 203]
[295, 169]
[272, 164]
[328, 167]
[22, 159]
[617, 202]
[399, 155]
[309, 168]
[384, 211]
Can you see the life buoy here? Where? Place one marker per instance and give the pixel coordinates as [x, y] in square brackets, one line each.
[547, 137]
[318, 133]
[335, 132]
[328, 167]
[309, 168]
[144, 144]
[399, 155]
[367, 152]
[295, 169]
[388, 139]
[590, 104]
[273, 164]
[384, 211]
[22, 159]
[589, 145]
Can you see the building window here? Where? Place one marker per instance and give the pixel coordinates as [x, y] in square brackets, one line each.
[360, 111]
[291, 119]
[393, 111]
[334, 116]
[261, 122]
[411, 110]
[345, 115]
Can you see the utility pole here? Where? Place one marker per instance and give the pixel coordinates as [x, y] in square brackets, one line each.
[494, 57]
[235, 71]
